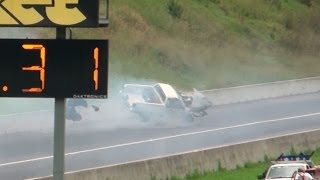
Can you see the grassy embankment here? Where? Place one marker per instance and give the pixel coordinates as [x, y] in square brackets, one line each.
[212, 43]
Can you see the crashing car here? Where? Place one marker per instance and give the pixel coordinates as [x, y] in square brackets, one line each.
[196, 102]
[162, 102]
[284, 167]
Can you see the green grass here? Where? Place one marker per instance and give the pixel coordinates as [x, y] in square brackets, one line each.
[249, 172]
[213, 44]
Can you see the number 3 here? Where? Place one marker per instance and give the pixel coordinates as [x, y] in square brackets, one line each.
[41, 68]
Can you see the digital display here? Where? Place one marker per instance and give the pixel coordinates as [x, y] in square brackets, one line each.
[53, 68]
[49, 13]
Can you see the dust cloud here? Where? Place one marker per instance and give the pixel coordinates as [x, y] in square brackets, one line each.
[112, 113]
[37, 114]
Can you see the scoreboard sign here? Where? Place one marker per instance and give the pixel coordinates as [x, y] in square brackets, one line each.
[49, 13]
[53, 68]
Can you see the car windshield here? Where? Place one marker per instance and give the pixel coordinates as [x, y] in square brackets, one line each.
[282, 171]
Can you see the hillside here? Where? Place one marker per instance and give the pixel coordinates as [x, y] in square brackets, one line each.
[212, 43]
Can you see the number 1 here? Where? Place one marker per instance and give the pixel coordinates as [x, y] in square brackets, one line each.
[96, 66]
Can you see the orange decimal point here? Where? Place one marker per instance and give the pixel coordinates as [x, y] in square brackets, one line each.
[5, 88]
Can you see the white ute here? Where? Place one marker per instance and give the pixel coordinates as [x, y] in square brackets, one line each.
[284, 167]
[159, 102]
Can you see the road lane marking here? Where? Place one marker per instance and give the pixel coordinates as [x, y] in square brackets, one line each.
[25, 161]
[27, 112]
[161, 138]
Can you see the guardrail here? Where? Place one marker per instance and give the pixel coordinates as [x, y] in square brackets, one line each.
[263, 91]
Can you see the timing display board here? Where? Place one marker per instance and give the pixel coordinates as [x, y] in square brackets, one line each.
[49, 13]
[53, 68]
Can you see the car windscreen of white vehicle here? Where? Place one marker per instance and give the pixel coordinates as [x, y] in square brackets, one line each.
[283, 171]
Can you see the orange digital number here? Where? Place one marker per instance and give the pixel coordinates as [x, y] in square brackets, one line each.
[96, 66]
[41, 68]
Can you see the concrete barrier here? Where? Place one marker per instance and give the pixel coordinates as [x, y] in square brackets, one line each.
[228, 157]
[263, 91]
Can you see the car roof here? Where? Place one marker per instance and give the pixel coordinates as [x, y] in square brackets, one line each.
[309, 162]
[290, 164]
[141, 85]
[168, 90]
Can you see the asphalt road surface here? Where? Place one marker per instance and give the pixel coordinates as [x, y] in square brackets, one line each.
[112, 136]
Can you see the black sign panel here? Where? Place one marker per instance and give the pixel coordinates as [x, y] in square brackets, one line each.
[49, 13]
[53, 68]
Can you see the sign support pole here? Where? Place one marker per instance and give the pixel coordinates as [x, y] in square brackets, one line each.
[59, 127]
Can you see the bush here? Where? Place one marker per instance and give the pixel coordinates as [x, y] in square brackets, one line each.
[175, 9]
[306, 2]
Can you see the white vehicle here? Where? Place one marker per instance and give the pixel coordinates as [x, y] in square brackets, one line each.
[159, 101]
[283, 171]
[285, 166]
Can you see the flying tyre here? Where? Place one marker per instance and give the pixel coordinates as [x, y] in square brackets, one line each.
[71, 113]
